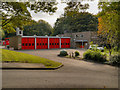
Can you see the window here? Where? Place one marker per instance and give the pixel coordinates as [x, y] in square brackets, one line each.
[19, 32]
[52, 43]
[26, 44]
[61, 44]
[66, 43]
[40, 43]
[81, 35]
[76, 36]
[57, 43]
[45, 43]
[29, 44]
[23, 44]
[32, 44]
[37, 43]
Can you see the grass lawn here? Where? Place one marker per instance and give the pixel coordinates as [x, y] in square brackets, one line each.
[8, 55]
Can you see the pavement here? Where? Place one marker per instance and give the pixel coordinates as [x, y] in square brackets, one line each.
[74, 74]
[26, 66]
[22, 65]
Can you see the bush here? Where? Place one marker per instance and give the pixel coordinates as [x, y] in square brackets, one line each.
[8, 46]
[95, 56]
[77, 53]
[87, 54]
[115, 60]
[63, 53]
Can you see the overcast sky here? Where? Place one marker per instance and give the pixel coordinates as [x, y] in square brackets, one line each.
[51, 19]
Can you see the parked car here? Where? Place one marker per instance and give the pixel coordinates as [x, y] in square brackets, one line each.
[92, 47]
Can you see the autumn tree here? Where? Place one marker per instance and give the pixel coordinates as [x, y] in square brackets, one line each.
[108, 27]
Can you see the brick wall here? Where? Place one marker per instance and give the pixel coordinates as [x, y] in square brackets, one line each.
[15, 42]
[87, 35]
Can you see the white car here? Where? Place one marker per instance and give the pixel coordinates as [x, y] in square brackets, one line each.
[96, 47]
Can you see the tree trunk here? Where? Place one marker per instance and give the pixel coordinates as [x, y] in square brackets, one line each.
[110, 51]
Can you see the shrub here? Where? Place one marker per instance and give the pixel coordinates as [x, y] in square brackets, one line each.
[7, 46]
[87, 54]
[95, 56]
[63, 53]
[77, 53]
[115, 60]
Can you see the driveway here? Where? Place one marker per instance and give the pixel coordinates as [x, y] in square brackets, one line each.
[74, 74]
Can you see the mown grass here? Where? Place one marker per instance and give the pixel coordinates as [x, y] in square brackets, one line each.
[8, 55]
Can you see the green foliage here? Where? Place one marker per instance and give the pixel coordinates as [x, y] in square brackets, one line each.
[8, 55]
[16, 14]
[76, 6]
[87, 54]
[75, 22]
[77, 53]
[91, 43]
[48, 7]
[115, 60]
[39, 28]
[2, 34]
[109, 23]
[95, 56]
[63, 53]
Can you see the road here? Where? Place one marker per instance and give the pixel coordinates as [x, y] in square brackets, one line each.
[74, 74]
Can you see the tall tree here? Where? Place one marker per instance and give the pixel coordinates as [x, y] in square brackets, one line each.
[16, 14]
[40, 28]
[76, 6]
[108, 27]
[75, 22]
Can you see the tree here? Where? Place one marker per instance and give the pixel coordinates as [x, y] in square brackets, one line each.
[16, 14]
[76, 6]
[108, 27]
[75, 22]
[40, 28]
[2, 34]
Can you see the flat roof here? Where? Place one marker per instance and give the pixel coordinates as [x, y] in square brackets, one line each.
[81, 40]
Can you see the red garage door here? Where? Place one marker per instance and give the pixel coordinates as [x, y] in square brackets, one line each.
[53, 42]
[62, 42]
[31, 42]
[42, 43]
[56, 45]
[39, 43]
[28, 43]
[65, 42]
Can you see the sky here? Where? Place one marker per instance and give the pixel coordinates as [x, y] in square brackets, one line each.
[51, 19]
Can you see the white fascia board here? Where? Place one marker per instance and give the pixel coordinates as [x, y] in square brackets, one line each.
[43, 37]
[64, 37]
[35, 36]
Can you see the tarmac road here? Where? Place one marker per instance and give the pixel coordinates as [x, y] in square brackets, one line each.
[74, 74]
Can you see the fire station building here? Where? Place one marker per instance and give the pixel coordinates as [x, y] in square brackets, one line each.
[38, 42]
